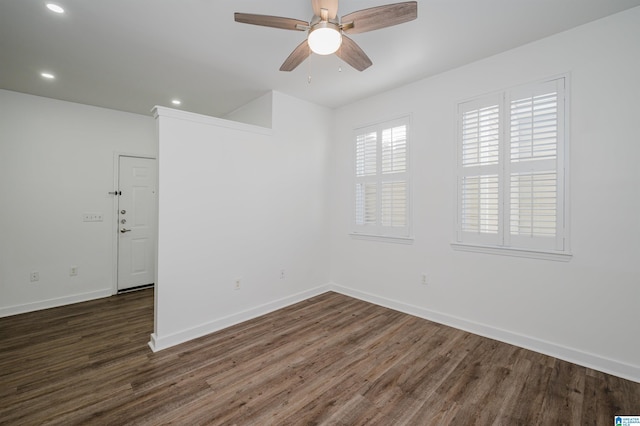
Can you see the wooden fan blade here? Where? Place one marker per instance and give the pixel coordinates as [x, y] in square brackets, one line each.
[351, 53]
[270, 21]
[379, 17]
[298, 55]
[330, 5]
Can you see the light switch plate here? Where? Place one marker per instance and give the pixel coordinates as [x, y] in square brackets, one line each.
[92, 217]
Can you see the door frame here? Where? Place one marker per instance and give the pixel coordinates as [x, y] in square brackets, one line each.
[115, 228]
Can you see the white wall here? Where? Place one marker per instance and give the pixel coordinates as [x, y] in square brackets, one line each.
[585, 310]
[258, 112]
[239, 201]
[56, 163]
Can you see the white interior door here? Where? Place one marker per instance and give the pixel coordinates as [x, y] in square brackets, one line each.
[136, 221]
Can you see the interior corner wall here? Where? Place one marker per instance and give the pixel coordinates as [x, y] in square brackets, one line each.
[239, 204]
[258, 112]
[585, 310]
[56, 163]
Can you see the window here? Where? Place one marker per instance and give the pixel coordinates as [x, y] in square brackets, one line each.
[381, 197]
[511, 170]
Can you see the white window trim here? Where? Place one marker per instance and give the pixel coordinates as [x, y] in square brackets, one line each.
[382, 238]
[513, 251]
[564, 255]
[363, 234]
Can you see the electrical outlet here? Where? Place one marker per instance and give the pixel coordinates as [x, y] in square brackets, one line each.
[34, 276]
[237, 287]
[73, 271]
[282, 274]
[424, 279]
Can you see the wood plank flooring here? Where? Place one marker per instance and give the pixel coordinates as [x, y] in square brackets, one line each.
[329, 360]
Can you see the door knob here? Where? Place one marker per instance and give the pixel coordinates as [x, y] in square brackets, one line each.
[122, 231]
[123, 211]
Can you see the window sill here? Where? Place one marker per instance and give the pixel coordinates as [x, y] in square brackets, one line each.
[382, 238]
[509, 251]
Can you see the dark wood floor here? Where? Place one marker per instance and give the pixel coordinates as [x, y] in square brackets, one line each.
[328, 360]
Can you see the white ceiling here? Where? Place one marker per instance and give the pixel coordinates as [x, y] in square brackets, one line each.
[133, 54]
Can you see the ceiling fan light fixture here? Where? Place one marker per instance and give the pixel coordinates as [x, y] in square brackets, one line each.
[324, 38]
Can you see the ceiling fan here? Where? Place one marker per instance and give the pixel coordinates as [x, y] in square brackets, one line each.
[327, 33]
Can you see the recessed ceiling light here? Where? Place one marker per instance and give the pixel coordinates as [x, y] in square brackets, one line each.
[47, 75]
[176, 101]
[55, 8]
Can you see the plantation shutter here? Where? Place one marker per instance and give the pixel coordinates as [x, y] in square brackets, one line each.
[366, 180]
[478, 171]
[393, 202]
[381, 180]
[511, 174]
[533, 170]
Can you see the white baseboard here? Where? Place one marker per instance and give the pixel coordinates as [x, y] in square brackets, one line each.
[54, 303]
[158, 343]
[596, 362]
[576, 356]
